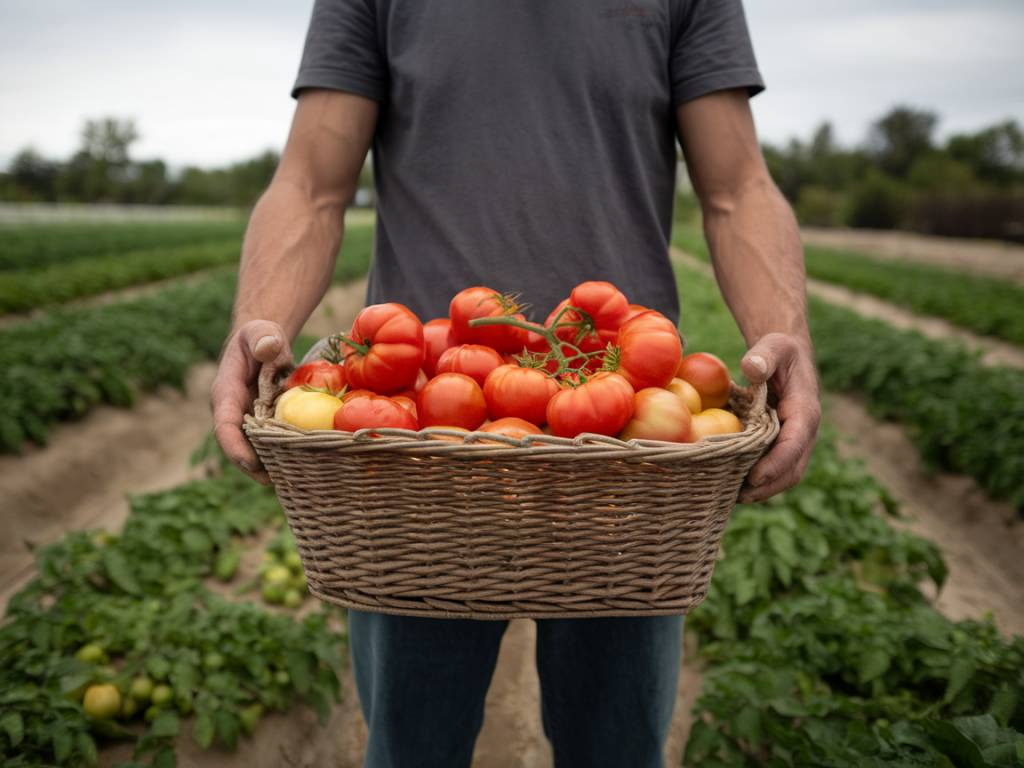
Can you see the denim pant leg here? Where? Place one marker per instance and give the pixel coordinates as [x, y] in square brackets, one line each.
[422, 684]
[608, 687]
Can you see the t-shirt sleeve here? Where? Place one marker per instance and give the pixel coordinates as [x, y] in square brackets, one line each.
[343, 50]
[712, 51]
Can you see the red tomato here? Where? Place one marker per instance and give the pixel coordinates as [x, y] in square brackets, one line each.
[373, 411]
[510, 426]
[474, 360]
[391, 348]
[570, 326]
[521, 392]
[606, 304]
[437, 337]
[649, 350]
[634, 310]
[406, 402]
[318, 374]
[352, 394]
[658, 415]
[451, 399]
[472, 303]
[714, 421]
[709, 376]
[602, 405]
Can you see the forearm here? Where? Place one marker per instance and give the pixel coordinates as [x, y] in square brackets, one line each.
[288, 256]
[758, 260]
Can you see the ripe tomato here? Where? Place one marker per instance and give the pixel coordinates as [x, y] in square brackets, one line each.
[684, 391]
[658, 415]
[649, 350]
[408, 403]
[390, 353]
[307, 409]
[634, 310]
[474, 360]
[569, 328]
[709, 376]
[521, 392]
[437, 337]
[714, 421]
[510, 426]
[472, 303]
[373, 411]
[451, 399]
[606, 304]
[318, 374]
[602, 406]
[102, 702]
[354, 393]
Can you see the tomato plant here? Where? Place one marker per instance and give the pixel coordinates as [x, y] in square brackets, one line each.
[384, 349]
[451, 399]
[602, 405]
[520, 392]
[474, 360]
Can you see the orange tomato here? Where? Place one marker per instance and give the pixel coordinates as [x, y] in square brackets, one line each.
[511, 426]
[658, 415]
[685, 391]
[714, 421]
[709, 376]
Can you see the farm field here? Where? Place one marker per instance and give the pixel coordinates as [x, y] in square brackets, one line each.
[857, 620]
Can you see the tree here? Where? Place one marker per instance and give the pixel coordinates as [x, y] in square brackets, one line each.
[996, 154]
[900, 138]
[32, 176]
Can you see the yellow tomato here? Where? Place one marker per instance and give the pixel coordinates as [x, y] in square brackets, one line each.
[713, 421]
[102, 702]
[658, 415]
[307, 410]
[686, 392]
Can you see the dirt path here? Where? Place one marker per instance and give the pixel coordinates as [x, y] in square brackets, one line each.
[982, 257]
[980, 539]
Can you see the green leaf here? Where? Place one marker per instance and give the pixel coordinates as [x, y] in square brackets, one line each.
[196, 542]
[119, 571]
[227, 728]
[60, 736]
[1004, 704]
[300, 669]
[184, 678]
[158, 667]
[747, 725]
[960, 673]
[87, 748]
[165, 758]
[874, 663]
[203, 730]
[165, 724]
[14, 727]
[783, 545]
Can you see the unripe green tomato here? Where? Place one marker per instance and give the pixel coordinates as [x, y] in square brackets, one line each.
[141, 688]
[162, 694]
[91, 653]
[292, 599]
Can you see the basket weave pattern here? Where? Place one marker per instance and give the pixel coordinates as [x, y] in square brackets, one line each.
[486, 527]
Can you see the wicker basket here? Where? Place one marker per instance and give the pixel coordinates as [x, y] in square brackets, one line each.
[486, 527]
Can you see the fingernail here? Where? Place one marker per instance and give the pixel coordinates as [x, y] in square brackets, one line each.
[760, 364]
[245, 465]
[263, 342]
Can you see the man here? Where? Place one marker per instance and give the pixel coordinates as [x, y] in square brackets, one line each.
[526, 145]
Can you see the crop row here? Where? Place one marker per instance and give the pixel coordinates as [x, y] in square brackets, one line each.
[114, 610]
[60, 366]
[963, 416]
[984, 305]
[27, 289]
[820, 647]
[35, 245]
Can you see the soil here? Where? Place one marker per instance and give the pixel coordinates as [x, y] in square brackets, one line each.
[981, 257]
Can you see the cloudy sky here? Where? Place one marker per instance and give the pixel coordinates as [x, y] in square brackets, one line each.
[207, 80]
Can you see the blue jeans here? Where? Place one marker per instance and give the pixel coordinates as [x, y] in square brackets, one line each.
[608, 687]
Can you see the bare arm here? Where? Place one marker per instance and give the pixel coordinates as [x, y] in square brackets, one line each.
[759, 264]
[289, 251]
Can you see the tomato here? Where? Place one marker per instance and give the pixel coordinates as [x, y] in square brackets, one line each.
[102, 702]
[685, 391]
[634, 310]
[658, 415]
[352, 394]
[510, 426]
[410, 392]
[451, 399]
[449, 438]
[318, 374]
[570, 326]
[602, 405]
[389, 351]
[141, 688]
[437, 337]
[649, 350]
[709, 376]
[373, 411]
[606, 305]
[474, 360]
[406, 402]
[307, 409]
[477, 302]
[521, 392]
[714, 421]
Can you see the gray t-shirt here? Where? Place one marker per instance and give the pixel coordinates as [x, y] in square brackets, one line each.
[526, 145]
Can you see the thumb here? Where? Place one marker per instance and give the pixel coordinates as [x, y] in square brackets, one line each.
[264, 340]
[764, 358]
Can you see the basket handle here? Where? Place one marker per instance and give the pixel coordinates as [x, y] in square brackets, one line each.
[758, 394]
[267, 390]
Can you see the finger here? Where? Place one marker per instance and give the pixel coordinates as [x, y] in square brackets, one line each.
[796, 435]
[230, 402]
[751, 495]
[766, 356]
[265, 341]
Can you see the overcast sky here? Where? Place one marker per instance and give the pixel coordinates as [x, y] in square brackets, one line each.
[207, 80]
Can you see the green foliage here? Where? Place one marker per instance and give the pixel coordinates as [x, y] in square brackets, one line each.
[820, 648]
[24, 290]
[877, 202]
[140, 598]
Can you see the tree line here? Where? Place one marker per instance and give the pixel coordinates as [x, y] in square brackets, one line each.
[900, 176]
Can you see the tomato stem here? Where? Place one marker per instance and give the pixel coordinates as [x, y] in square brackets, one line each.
[363, 349]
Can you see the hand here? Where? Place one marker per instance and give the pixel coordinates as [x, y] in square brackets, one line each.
[787, 364]
[234, 388]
